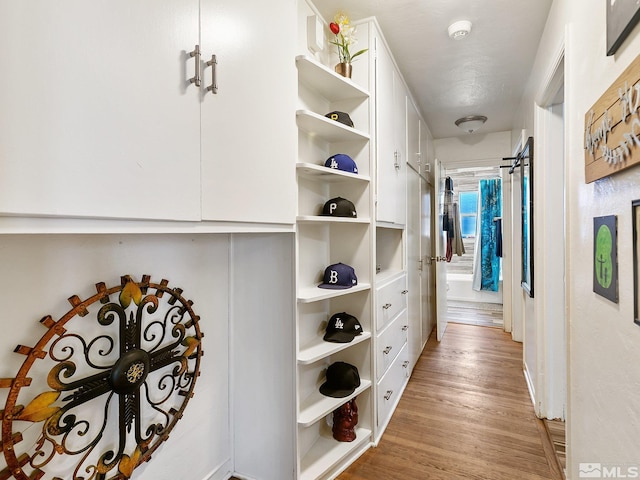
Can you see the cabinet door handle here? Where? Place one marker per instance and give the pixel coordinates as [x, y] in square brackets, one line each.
[387, 395]
[405, 364]
[387, 350]
[405, 328]
[404, 292]
[196, 76]
[213, 88]
[386, 306]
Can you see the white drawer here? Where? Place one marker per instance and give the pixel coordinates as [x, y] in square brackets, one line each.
[391, 299]
[390, 342]
[391, 385]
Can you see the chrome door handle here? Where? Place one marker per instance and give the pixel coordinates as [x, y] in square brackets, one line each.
[213, 88]
[196, 76]
[388, 394]
[387, 350]
[386, 306]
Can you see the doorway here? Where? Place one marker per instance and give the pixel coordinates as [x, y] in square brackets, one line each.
[468, 302]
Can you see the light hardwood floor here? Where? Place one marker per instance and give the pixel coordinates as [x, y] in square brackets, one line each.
[466, 414]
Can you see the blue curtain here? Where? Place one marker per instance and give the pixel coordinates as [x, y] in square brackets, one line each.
[486, 272]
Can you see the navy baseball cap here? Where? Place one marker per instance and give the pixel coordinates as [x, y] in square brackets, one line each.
[342, 328]
[341, 161]
[342, 380]
[341, 117]
[339, 277]
[339, 207]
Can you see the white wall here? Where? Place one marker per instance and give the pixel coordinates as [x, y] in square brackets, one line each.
[603, 417]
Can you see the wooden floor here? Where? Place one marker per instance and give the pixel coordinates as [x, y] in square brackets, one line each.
[472, 313]
[466, 414]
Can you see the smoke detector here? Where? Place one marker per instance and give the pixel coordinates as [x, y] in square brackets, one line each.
[460, 30]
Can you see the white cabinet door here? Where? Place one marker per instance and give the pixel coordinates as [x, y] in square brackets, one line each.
[98, 117]
[385, 136]
[391, 140]
[413, 136]
[249, 134]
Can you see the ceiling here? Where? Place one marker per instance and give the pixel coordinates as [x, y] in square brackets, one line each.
[482, 74]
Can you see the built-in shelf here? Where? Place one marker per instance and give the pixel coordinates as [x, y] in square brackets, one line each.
[328, 452]
[328, 219]
[326, 82]
[327, 129]
[317, 405]
[392, 226]
[384, 276]
[315, 294]
[326, 174]
[319, 349]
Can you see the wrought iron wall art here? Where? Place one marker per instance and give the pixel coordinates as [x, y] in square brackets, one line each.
[120, 368]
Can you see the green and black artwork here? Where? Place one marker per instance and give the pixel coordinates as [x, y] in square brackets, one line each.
[605, 257]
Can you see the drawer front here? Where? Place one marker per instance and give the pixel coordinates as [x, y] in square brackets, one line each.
[390, 343]
[390, 386]
[391, 300]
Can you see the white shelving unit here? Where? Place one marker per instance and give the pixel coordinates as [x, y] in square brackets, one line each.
[322, 241]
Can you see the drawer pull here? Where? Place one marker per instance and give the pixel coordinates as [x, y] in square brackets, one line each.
[387, 350]
[387, 395]
[386, 306]
[405, 364]
[404, 292]
[405, 328]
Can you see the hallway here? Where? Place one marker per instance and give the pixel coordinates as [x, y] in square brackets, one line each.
[466, 413]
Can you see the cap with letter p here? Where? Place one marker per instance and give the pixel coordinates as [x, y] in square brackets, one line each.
[339, 277]
[339, 207]
[341, 117]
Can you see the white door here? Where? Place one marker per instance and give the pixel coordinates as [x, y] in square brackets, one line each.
[98, 115]
[414, 302]
[426, 278]
[440, 252]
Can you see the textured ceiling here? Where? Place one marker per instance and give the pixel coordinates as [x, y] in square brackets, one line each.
[483, 74]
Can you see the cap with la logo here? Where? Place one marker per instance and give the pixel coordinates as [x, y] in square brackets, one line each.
[338, 277]
[339, 207]
[342, 328]
[342, 161]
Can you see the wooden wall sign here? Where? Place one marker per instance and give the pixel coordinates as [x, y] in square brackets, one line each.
[612, 127]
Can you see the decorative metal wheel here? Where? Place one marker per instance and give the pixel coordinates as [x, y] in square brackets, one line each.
[105, 384]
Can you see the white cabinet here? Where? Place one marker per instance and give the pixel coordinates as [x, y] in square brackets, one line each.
[390, 99]
[100, 119]
[248, 132]
[323, 241]
[98, 116]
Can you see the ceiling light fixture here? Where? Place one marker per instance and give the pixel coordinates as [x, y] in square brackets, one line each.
[460, 30]
[471, 123]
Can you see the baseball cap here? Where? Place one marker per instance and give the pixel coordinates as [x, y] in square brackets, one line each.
[341, 161]
[339, 276]
[340, 117]
[342, 380]
[339, 207]
[342, 328]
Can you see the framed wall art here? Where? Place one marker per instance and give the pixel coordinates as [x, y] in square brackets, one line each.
[605, 257]
[525, 157]
[635, 216]
[622, 16]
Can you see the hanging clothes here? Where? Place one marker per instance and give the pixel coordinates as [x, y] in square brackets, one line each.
[498, 222]
[486, 268]
[451, 222]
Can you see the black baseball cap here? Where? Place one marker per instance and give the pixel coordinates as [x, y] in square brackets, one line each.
[341, 117]
[339, 207]
[342, 328]
[342, 380]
